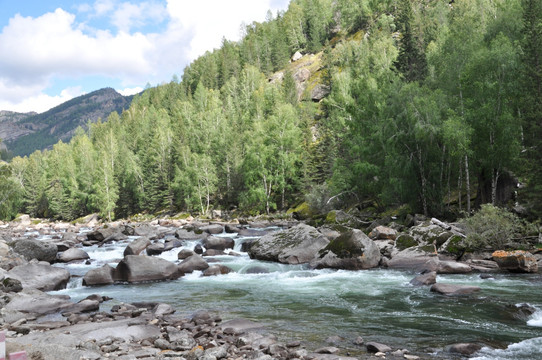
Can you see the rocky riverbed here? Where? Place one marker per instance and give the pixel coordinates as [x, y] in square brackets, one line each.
[51, 325]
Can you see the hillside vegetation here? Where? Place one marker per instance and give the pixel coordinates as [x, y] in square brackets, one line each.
[435, 105]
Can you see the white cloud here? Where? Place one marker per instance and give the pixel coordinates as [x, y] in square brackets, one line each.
[130, 91]
[41, 102]
[37, 50]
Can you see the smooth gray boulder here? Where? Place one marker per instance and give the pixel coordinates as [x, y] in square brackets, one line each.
[218, 243]
[454, 290]
[40, 276]
[417, 258]
[297, 245]
[137, 246]
[100, 276]
[212, 229]
[453, 267]
[214, 270]
[428, 278]
[193, 263]
[155, 249]
[36, 249]
[352, 250]
[73, 254]
[34, 302]
[185, 253]
[138, 268]
[183, 234]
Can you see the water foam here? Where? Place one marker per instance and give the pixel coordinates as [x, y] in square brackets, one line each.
[536, 319]
[527, 349]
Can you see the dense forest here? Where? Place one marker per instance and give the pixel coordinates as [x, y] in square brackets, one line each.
[430, 105]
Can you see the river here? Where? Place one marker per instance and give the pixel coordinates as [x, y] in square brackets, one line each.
[297, 303]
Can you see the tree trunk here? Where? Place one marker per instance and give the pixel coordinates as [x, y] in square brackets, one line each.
[459, 184]
[467, 182]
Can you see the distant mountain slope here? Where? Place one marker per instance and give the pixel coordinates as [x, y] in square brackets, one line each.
[25, 133]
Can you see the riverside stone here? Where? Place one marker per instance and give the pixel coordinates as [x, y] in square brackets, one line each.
[298, 245]
[454, 290]
[352, 250]
[516, 261]
[428, 278]
[40, 276]
[73, 254]
[374, 347]
[138, 268]
[193, 263]
[218, 243]
[36, 249]
[137, 246]
[100, 276]
[453, 267]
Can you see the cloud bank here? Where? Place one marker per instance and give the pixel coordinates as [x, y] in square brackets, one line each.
[129, 42]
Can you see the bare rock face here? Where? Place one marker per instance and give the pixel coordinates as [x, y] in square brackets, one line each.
[218, 243]
[518, 261]
[137, 246]
[40, 276]
[383, 233]
[138, 268]
[193, 263]
[36, 249]
[73, 254]
[297, 245]
[428, 278]
[352, 250]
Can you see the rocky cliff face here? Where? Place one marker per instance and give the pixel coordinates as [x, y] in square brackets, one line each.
[25, 133]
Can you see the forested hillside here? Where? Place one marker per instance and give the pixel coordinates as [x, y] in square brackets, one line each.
[433, 105]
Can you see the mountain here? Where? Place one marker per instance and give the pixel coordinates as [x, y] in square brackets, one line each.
[25, 133]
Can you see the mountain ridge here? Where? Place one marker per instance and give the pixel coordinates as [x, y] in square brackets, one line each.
[23, 133]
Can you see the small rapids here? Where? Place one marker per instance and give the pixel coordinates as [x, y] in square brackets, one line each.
[298, 303]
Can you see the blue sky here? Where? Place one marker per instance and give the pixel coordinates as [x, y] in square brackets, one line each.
[55, 50]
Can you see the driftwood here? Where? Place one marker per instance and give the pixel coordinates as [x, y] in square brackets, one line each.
[448, 227]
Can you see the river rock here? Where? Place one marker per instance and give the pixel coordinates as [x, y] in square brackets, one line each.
[10, 285]
[352, 250]
[185, 235]
[218, 243]
[138, 268]
[454, 290]
[104, 233]
[40, 276]
[155, 249]
[374, 347]
[100, 276]
[297, 245]
[217, 270]
[383, 233]
[33, 302]
[36, 249]
[518, 261]
[85, 305]
[428, 278]
[417, 258]
[137, 246]
[466, 349]
[73, 254]
[185, 253]
[453, 267]
[212, 229]
[193, 263]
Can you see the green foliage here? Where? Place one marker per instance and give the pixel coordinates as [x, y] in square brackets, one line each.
[493, 228]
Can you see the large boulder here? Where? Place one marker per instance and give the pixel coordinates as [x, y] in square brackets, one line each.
[454, 290]
[100, 276]
[102, 234]
[73, 254]
[183, 234]
[137, 246]
[218, 243]
[212, 229]
[383, 233]
[193, 263]
[417, 258]
[138, 268]
[40, 276]
[518, 261]
[453, 267]
[34, 302]
[297, 245]
[36, 249]
[352, 250]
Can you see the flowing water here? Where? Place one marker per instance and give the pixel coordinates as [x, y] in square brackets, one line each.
[297, 303]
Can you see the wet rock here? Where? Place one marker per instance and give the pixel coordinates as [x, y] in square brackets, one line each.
[466, 349]
[184, 253]
[417, 258]
[454, 290]
[383, 233]
[298, 245]
[198, 249]
[218, 243]
[138, 268]
[193, 263]
[352, 250]
[73, 254]
[240, 325]
[453, 267]
[428, 278]
[185, 235]
[155, 249]
[105, 233]
[256, 270]
[100, 276]
[212, 229]
[327, 350]
[374, 347]
[40, 276]
[36, 249]
[520, 311]
[212, 252]
[518, 261]
[217, 270]
[137, 246]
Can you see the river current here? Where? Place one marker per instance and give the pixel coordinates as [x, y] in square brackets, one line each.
[297, 303]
